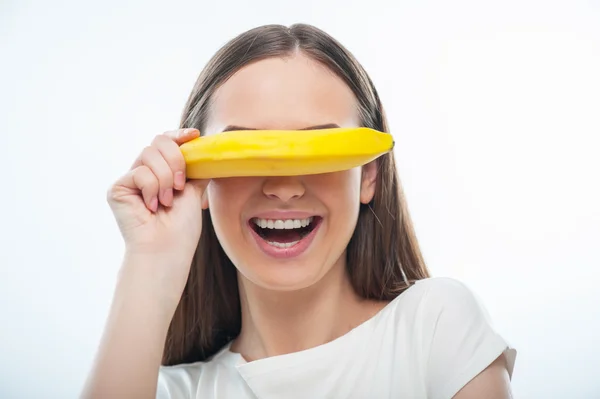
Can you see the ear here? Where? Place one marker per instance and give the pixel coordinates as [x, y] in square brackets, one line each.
[368, 182]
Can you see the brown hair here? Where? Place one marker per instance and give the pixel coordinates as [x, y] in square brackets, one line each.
[383, 256]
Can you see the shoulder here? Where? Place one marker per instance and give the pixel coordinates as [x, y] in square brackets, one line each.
[455, 334]
[441, 287]
[443, 294]
[429, 298]
[217, 376]
[180, 381]
[449, 310]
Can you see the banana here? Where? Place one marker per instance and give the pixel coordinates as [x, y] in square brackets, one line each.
[282, 152]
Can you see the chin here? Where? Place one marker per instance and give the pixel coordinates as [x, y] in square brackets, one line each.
[277, 276]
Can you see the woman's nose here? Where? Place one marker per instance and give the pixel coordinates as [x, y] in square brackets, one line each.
[283, 188]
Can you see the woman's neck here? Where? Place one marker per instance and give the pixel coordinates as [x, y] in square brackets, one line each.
[279, 322]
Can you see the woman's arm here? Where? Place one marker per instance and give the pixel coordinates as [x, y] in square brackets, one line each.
[130, 352]
[491, 383]
[159, 214]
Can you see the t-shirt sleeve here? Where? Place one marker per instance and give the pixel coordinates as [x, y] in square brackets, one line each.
[175, 382]
[461, 341]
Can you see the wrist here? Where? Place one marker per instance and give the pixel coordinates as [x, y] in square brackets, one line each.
[147, 280]
[155, 256]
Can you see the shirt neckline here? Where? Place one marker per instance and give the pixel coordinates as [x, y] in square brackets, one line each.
[306, 355]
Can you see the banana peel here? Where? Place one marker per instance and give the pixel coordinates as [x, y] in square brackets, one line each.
[283, 152]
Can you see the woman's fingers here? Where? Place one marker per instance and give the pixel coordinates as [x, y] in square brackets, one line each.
[179, 137]
[171, 153]
[148, 184]
[185, 135]
[153, 159]
[164, 160]
[138, 180]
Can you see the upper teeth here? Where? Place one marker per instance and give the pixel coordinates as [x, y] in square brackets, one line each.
[282, 224]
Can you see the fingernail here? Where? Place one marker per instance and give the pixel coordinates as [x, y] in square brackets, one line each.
[154, 204]
[189, 130]
[179, 180]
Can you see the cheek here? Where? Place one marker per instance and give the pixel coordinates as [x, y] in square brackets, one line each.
[340, 193]
[226, 197]
[339, 187]
[220, 189]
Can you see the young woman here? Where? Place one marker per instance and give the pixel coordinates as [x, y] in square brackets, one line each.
[207, 308]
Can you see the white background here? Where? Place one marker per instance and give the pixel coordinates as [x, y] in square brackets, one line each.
[495, 107]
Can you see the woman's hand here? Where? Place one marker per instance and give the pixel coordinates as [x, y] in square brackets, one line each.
[160, 214]
[160, 217]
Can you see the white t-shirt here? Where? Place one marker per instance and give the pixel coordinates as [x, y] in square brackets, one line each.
[427, 343]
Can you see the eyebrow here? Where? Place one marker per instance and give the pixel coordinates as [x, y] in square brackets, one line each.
[325, 126]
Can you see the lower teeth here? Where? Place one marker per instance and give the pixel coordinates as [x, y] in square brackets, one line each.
[283, 244]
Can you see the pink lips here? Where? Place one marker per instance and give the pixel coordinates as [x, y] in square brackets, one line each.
[285, 253]
[282, 215]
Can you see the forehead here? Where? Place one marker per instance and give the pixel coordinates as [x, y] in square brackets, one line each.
[277, 93]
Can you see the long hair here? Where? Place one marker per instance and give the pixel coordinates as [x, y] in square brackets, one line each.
[383, 256]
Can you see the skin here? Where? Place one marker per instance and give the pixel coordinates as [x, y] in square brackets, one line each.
[286, 306]
[308, 297]
[491, 383]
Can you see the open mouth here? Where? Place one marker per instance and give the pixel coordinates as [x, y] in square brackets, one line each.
[284, 233]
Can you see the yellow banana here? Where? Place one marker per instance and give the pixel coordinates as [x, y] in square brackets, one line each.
[282, 152]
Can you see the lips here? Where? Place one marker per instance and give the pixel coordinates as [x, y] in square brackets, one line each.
[283, 233]
[284, 237]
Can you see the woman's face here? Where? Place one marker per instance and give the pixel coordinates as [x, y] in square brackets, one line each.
[261, 222]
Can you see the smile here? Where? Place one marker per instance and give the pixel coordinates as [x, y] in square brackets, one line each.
[284, 238]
